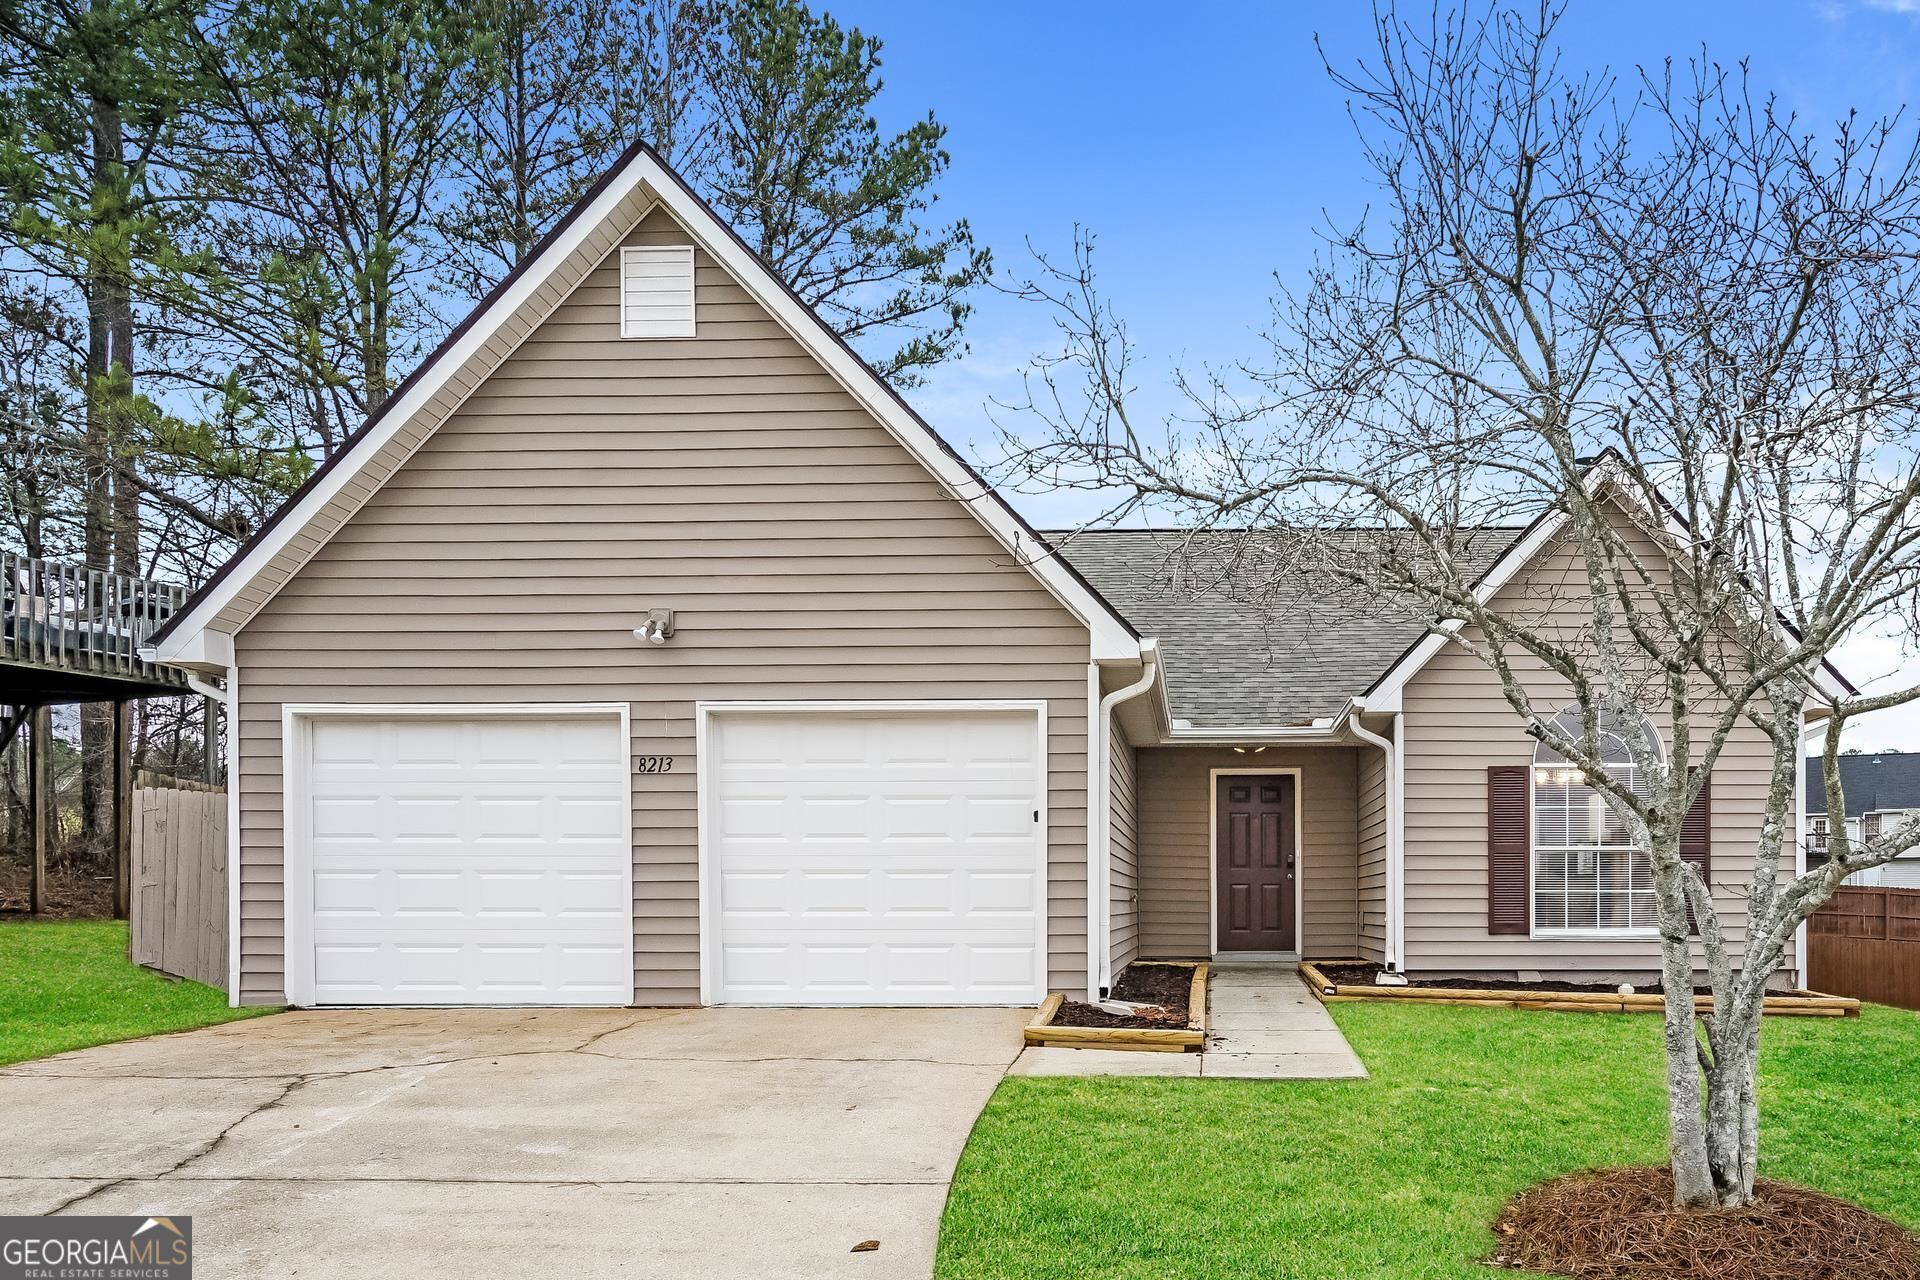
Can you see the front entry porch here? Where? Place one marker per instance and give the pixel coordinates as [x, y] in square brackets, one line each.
[1252, 854]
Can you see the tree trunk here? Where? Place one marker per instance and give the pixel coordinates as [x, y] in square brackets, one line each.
[109, 333]
[1733, 1101]
[1713, 1111]
[1687, 1148]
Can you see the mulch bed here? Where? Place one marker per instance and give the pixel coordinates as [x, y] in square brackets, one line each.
[1620, 1224]
[1362, 975]
[1165, 986]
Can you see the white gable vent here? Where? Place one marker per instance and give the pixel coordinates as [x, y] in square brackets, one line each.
[656, 291]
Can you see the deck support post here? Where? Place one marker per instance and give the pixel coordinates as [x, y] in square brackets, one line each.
[39, 803]
[122, 810]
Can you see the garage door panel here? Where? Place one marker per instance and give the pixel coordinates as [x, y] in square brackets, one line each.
[469, 859]
[856, 968]
[876, 857]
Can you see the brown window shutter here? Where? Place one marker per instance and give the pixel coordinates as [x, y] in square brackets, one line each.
[1696, 840]
[1508, 848]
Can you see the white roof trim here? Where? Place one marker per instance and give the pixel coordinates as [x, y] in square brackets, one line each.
[1386, 691]
[1112, 638]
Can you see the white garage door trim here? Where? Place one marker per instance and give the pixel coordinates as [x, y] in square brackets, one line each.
[704, 716]
[296, 725]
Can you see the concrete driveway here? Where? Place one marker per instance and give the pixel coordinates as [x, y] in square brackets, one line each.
[483, 1143]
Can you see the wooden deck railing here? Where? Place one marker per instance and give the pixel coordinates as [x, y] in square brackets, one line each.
[70, 618]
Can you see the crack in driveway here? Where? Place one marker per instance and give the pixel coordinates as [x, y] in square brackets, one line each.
[699, 1151]
[296, 1082]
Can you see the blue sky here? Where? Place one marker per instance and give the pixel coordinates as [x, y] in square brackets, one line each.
[1206, 151]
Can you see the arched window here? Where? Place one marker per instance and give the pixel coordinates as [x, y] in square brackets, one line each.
[1589, 876]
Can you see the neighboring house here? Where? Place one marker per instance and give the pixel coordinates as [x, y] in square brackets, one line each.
[1882, 789]
[645, 647]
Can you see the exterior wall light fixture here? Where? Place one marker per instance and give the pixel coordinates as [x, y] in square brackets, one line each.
[658, 628]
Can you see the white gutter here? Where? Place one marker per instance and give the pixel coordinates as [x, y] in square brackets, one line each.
[1396, 843]
[1323, 730]
[195, 681]
[1100, 878]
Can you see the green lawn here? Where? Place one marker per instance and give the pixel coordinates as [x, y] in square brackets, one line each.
[67, 984]
[1396, 1176]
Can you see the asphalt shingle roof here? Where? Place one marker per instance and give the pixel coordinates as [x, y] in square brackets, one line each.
[1872, 781]
[1246, 640]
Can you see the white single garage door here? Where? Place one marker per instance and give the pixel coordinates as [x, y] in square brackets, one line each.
[876, 857]
[464, 859]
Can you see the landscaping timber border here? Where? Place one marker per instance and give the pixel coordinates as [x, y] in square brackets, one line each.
[1189, 1039]
[1787, 1004]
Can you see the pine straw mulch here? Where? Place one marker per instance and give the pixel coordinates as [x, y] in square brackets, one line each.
[1620, 1224]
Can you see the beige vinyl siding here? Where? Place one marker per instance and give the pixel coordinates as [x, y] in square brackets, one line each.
[1124, 941]
[1457, 724]
[552, 291]
[1176, 819]
[1372, 869]
[591, 478]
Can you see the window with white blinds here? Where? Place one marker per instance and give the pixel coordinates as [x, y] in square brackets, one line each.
[656, 291]
[1589, 874]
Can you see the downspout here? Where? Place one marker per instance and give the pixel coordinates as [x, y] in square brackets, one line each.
[1100, 888]
[1390, 753]
[206, 689]
[1801, 977]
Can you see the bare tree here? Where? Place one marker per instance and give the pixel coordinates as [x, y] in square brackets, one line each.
[1661, 314]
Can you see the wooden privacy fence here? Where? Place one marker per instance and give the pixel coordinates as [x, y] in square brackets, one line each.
[1865, 943]
[179, 908]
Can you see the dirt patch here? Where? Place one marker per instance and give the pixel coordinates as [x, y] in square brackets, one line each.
[70, 894]
[1164, 986]
[1362, 975]
[1620, 1224]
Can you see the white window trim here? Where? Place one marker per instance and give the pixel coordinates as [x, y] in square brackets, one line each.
[657, 252]
[703, 716]
[296, 743]
[1541, 933]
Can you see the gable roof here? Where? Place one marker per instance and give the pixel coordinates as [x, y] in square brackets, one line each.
[1872, 782]
[636, 184]
[1299, 654]
[1596, 475]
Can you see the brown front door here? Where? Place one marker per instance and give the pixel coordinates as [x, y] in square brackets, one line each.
[1256, 863]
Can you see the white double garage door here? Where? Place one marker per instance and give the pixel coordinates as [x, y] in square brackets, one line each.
[843, 856]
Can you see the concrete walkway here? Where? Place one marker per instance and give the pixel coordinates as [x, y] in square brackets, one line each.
[494, 1142]
[1264, 1025]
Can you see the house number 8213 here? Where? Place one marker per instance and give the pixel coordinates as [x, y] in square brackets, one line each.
[653, 764]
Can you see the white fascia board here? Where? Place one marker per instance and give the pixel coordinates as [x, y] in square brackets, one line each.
[1111, 638]
[1318, 731]
[1386, 691]
[484, 328]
